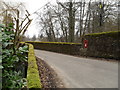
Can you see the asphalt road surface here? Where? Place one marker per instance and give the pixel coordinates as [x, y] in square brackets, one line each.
[77, 72]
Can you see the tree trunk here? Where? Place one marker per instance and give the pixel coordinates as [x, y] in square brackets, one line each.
[71, 22]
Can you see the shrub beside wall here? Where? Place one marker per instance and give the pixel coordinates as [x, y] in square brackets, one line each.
[60, 47]
[106, 45]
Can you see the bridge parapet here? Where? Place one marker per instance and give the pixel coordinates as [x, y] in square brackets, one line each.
[60, 47]
[102, 45]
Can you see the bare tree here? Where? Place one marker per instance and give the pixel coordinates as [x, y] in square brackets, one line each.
[70, 7]
[33, 38]
[102, 15]
[47, 21]
[70, 21]
[62, 21]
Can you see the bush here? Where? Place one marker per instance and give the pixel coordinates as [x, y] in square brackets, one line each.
[13, 63]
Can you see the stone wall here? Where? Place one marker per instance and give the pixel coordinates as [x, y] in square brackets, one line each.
[59, 47]
[33, 78]
[104, 45]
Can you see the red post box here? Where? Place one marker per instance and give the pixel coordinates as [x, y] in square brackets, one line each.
[85, 43]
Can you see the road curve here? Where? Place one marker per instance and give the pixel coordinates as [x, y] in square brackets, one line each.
[82, 72]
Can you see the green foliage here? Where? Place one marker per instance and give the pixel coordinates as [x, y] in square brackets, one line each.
[1, 48]
[13, 80]
[12, 62]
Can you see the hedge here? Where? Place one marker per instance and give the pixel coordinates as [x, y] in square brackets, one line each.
[33, 79]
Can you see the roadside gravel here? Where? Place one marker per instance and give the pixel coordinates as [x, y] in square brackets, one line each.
[49, 78]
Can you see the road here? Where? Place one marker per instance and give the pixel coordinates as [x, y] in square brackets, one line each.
[77, 72]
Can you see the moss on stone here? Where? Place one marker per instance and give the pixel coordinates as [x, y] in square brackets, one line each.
[53, 42]
[33, 79]
[111, 33]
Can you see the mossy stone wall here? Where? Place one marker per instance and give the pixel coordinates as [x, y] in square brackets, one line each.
[105, 45]
[33, 78]
[102, 45]
[66, 48]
